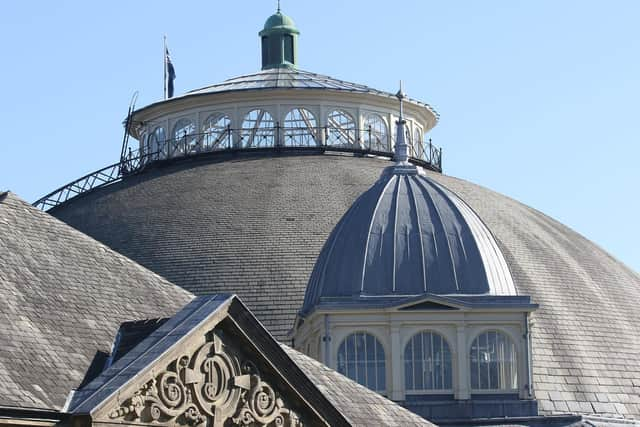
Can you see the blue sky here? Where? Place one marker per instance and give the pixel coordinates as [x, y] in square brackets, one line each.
[538, 100]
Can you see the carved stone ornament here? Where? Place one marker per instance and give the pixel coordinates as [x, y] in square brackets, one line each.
[211, 387]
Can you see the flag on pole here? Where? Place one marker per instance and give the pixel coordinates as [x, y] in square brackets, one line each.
[169, 73]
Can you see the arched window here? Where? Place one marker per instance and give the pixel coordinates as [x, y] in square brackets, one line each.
[341, 129]
[156, 144]
[418, 148]
[300, 128]
[375, 134]
[258, 130]
[493, 362]
[361, 358]
[184, 140]
[427, 363]
[216, 130]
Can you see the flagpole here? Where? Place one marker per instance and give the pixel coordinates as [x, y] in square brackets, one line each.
[164, 61]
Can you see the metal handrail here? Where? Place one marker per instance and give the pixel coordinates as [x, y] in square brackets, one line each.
[326, 138]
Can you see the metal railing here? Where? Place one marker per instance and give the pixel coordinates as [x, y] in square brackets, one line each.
[276, 138]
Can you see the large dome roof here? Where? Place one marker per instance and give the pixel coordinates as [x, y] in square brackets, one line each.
[255, 225]
[407, 236]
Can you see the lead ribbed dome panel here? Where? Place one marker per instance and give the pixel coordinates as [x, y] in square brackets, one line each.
[408, 236]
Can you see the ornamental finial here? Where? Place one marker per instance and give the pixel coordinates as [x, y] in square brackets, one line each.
[278, 11]
[401, 149]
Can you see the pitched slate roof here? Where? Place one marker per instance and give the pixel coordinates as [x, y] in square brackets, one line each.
[362, 406]
[351, 402]
[255, 226]
[143, 354]
[63, 296]
[130, 334]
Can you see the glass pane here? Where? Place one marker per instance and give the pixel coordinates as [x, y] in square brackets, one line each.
[418, 150]
[217, 133]
[419, 362]
[184, 140]
[300, 128]
[361, 358]
[427, 363]
[447, 369]
[258, 130]
[375, 134]
[382, 382]
[493, 362]
[436, 358]
[408, 366]
[341, 129]
[157, 143]
[342, 358]
[475, 361]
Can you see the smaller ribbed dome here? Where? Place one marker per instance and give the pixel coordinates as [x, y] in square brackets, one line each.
[280, 22]
[407, 236]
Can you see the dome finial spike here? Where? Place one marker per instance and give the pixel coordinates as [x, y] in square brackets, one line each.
[401, 148]
[278, 11]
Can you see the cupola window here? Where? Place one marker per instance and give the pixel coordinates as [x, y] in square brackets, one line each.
[156, 143]
[184, 140]
[265, 51]
[288, 48]
[375, 133]
[427, 363]
[493, 362]
[258, 130]
[216, 130]
[300, 128]
[341, 129]
[361, 358]
[418, 149]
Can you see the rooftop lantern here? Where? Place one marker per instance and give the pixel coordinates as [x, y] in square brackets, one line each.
[279, 42]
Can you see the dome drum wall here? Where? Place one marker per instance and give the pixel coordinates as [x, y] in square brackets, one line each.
[459, 325]
[265, 87]
[336, 119]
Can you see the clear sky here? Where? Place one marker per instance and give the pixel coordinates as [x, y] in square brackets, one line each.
[538, 99]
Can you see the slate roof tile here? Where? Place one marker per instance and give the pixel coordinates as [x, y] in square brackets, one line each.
[63, 297]
[363, 406]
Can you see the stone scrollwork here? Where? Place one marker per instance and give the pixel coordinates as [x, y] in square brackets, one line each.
[207, 388]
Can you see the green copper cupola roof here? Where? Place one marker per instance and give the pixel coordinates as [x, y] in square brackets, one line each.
[279, 42]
